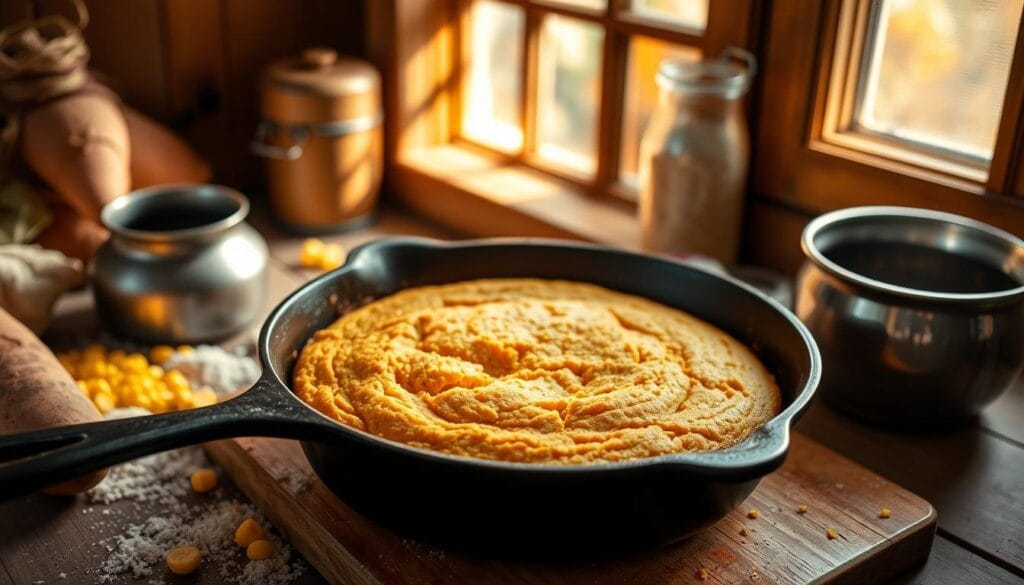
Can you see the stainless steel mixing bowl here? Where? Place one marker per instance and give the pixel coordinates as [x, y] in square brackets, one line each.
[919, 314]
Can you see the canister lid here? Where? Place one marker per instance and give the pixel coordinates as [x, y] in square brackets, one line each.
[319, 86]
[320, 71]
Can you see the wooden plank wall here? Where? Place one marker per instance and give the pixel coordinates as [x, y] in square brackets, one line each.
[194, 64]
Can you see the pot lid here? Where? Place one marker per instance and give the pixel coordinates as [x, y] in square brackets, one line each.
[320, 71]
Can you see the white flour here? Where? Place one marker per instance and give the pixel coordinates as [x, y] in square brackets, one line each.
[162, 480]
[222, 370]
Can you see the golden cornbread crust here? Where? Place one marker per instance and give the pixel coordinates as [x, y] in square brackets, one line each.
[535, 371]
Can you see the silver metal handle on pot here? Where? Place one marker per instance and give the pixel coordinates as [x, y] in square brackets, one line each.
[260, 147]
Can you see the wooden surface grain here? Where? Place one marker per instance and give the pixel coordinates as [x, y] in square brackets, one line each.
[781, 546]
[973, 478]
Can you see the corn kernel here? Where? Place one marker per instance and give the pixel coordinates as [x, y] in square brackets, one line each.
[333, 257]
[802, 509]
[184, 349]
[885, 513]
[312, 253]
[144, 401]
[184, 399]
[753, 514]
[183, 560]
[161, 353]
[248, 532]
[176, 380]
[831, 534]
[204, 397]
[101, 385]
[104, 402]
[135, 362]
[158, 404]
[203, 480]
[259, 550]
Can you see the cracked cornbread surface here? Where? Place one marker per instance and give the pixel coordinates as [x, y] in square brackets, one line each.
[535, 371]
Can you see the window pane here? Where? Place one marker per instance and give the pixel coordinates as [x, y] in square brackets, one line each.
[568, 92]
[493, 80]
[641, 94]
[936, 71]
[691, 13]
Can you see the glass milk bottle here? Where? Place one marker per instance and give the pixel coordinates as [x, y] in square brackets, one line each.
[694, 156]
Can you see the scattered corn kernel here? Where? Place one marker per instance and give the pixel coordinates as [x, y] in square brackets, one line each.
[183, 560]
[259, 550]
[831, 534]
[333, 257]
[802, 509]
[885, 513]
[319, 255]
[311, 253]
[248, 532]
[203, 480]
[115, 379]
[161, 353]
[753, 514]
[703, 574]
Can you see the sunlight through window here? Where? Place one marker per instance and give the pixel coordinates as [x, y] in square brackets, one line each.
[493, 80]
[568, 93]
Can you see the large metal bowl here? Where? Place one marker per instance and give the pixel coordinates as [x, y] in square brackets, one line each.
[919, 315]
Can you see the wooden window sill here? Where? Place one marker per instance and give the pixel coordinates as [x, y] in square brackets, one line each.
[484, 195]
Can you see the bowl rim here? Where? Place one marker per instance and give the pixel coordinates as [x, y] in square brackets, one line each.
[827, 220]
[757, 454]
[110, 211]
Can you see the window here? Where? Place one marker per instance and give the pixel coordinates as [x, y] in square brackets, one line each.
[503, 115]
[923, 80]
[894, 102]
[564, 87]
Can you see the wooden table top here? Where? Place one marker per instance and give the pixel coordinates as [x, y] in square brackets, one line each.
[973, 475]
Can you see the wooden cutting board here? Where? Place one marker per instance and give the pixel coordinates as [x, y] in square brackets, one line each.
[781, 546]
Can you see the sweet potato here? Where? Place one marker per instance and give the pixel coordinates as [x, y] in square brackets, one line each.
[37, 392]
[79, 145]
[159, 156]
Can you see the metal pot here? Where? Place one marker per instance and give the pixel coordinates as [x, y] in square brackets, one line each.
[919, 314]
[181, 265]
[486, 506]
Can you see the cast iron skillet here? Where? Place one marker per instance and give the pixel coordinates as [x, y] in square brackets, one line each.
[483, 506]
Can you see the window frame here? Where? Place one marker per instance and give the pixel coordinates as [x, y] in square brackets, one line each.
[800, 164]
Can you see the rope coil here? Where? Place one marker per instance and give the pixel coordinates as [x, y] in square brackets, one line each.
[40, 59]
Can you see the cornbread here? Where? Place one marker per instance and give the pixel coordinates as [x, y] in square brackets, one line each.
[535, 371]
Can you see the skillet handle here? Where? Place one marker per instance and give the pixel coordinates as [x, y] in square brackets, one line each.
[36, 459]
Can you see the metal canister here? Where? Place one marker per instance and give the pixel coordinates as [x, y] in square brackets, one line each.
[322, 139]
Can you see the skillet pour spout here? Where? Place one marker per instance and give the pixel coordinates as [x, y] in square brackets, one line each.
[489, 507]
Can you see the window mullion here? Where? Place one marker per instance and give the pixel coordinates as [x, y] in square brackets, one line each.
[528, 99]
[611, 109]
